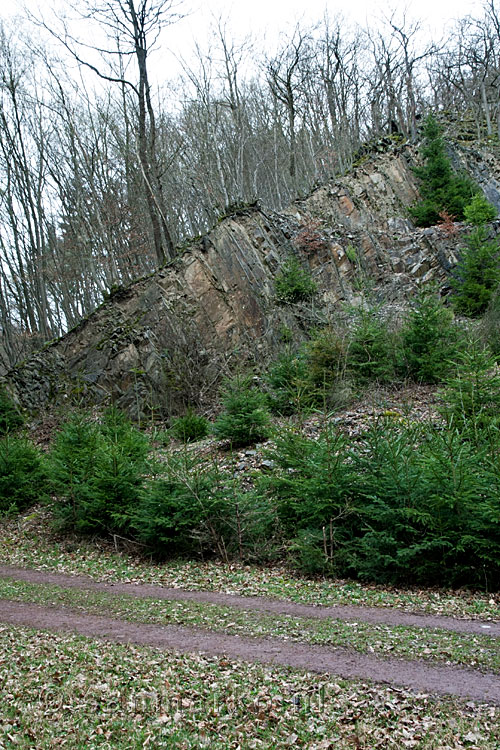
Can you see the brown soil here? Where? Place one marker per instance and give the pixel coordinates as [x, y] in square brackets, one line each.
[375, 615]
[440, 679]
[463, 683]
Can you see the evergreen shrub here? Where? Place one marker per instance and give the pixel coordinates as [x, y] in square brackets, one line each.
[97, 472]
[23, 476]
[370, 354]
[404, 502]
[190, 428]
[202, 510]
[477, 275]
[311, 491]
[471, 394]
[489, 328]
[326, 357]
[429, 504]
[479, 211]
[311, 376]
[177, 505]
[10, 416]
[294, 283]
[429, 338]
[287, 379]
[408, 503]
[245, 418]
[442, 190]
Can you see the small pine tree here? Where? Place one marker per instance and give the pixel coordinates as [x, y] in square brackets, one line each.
[370, 355]
[479, 211]
[472, 391]
[10, 417]
[441, 188]
[490, 325]
[23, 479]
[429, 338]
[245, 418]
[185, 508]
[97, 471]
[477, 274]
[294, 283]
[287, 381]
[326, 358]
[191, 427]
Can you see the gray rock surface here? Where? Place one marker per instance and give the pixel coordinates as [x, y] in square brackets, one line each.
[167, 339]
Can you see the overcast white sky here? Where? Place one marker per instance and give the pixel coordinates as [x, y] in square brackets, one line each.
[271, 16]
[266, 19]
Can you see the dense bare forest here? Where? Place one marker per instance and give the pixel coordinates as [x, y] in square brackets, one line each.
[103, 176]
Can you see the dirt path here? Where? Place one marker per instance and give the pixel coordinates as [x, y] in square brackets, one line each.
[375, 615]
[443, 680]
[440, 679]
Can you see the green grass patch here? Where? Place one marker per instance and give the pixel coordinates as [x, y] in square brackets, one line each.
[27, 542]
[410, 643]
[65, 690]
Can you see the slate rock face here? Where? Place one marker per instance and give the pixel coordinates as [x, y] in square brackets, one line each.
[167, 339]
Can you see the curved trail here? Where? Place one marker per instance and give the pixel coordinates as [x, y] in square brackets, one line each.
[374, 615]
[443, 680]
[419, 676]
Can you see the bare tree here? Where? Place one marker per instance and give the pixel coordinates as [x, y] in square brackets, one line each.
[23, 134]
[493, 20]
[466, 76]
[338, 61]
[134, 26]
[285, 75]
[406, 36]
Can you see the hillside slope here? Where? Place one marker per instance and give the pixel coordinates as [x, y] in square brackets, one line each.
[166, 339]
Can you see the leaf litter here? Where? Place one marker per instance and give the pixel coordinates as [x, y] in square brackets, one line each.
[27, 541]
[69, 691]
[480, 652]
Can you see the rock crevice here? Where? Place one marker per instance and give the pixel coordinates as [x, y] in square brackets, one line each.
[158, 343]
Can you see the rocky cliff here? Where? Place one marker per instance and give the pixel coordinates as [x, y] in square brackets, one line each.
[166, 339]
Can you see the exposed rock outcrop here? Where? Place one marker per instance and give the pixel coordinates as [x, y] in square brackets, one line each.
[168, 338]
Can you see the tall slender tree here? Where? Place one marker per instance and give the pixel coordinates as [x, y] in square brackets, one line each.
[134, 27]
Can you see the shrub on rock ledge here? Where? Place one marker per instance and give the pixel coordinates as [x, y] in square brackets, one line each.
[294, 283]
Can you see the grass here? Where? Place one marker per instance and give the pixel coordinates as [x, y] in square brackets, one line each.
[479, 651]
[27, 541]
[69, 691]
